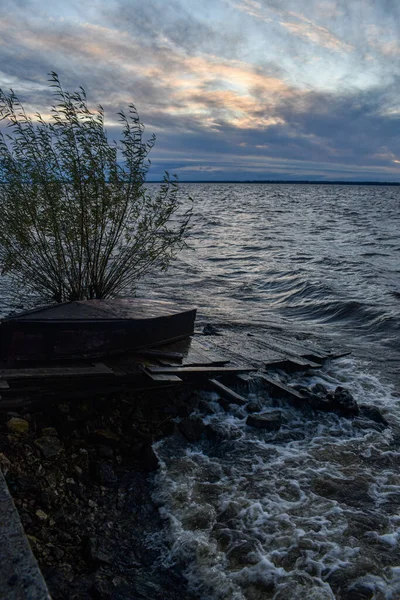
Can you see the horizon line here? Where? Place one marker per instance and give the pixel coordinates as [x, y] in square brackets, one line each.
[287, 181]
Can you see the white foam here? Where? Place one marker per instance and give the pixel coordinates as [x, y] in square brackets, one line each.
[275, 518]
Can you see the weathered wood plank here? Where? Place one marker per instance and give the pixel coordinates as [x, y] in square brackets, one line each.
[176, 356]
[293, 364]
[97, 370]
[202, 353]
[281, 388]
[227, 392]
[164, 377]
[200, 370]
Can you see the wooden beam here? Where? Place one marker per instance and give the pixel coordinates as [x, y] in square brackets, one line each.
[228, 393]
[164, 377]
[161, 354]
[212, 370]
[97, 370]
[281, 388]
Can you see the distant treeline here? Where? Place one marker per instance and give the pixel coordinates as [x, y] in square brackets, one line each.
[291, 182]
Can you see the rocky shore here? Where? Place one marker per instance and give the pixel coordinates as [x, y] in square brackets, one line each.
[80, 475]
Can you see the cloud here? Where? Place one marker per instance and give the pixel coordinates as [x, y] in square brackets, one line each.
[229, 86]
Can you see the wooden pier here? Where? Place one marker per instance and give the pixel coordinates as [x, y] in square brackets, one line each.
[217, 361]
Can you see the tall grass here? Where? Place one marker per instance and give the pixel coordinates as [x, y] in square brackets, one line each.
[76, 220]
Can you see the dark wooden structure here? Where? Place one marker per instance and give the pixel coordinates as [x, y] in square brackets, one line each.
[92, 329]
[232, 359]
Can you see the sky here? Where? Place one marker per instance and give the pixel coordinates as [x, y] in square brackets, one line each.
[233, 89]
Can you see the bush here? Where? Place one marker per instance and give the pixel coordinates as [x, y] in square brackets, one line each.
[76, 219]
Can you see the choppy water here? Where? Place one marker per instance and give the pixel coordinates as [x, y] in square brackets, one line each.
[313, 510]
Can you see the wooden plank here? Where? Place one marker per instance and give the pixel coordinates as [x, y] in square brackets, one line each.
[200, 370]
[238, 346]
[281, 388]
[164, 377]
[162, 354]
[293, 364]
[227, 392]
[201, 353]
[97, 370]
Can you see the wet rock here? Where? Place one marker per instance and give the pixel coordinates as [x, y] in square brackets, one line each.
[365, 423]
[192, 429]
[360, 523]
[341, 400]
[230, 512]
[17, 425]
[99, 551]
[358, 591]
[374, 414]
[353, 492]
[345, 582]
[210, 330]
[269, 421]
[49, 445]
[201, 517]
[253, 407]
[345, 402]
[148, 458]
[205, 407]
[218, 433]
[243, 553]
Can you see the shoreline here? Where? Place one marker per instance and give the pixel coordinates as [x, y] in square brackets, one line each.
[80, 477]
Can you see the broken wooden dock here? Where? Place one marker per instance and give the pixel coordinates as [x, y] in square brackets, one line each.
[212, 361]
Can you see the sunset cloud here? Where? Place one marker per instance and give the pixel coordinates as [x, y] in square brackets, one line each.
[268, 86]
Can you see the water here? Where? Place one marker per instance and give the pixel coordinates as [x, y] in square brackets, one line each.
[310, 511]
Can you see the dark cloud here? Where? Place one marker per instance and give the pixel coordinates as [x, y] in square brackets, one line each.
[242, 89]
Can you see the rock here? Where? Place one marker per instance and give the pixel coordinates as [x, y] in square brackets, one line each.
[5, 464]
[200, 517]
[58, 553]
[105, 451]
[192, 429]
[253, 407]
[359, 591]
[41, 515]
[103, 474]
[49, 445]
[49, 431]
[218, 433]
[98, 551]
[102, 589]
[17, 425]
[353, 492]
[341, 400]
[150, 460]
[105, 436]
[345, 402]
[269, 421]
[374, 414]
[210, 330]
[364, 423]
